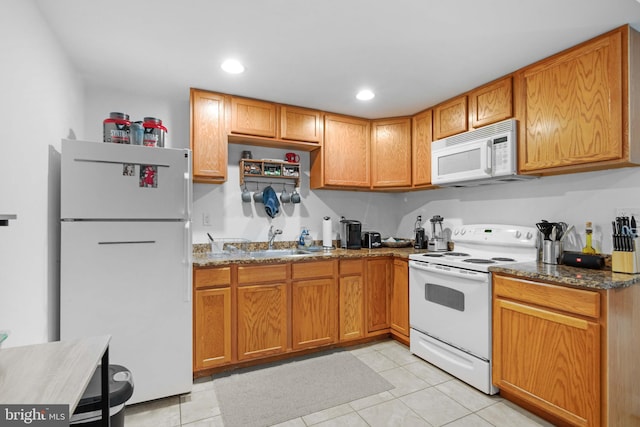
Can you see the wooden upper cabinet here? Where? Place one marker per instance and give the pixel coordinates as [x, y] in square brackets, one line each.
[346, 152]
[274, 125]
[450, 118]
[421, 138]
[574, 107]
[208, 136]
[491, 103]
[391, 153]
[300, 124]
[253, 117]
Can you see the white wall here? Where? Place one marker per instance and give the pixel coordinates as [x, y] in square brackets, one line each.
[40, 103]
[173, 111]
[574, 199]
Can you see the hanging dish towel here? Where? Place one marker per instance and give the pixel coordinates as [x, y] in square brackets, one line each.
[270, 200]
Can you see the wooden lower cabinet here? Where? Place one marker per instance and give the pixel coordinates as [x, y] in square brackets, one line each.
[314, 302]
[400, 299]
[246, 312]
[212, 343]
[546, 348]
[313, 312]
[212, 328]
[262, 320]
[351, 300]
[378, 285]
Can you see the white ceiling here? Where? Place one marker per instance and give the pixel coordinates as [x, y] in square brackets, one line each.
[412, 53]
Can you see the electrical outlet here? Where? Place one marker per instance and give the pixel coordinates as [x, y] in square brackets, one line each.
[628, 212]
[206, 218]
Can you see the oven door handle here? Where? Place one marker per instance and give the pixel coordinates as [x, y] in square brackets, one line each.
[449, 271]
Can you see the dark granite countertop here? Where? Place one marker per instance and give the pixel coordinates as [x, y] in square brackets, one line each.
[201, 258]
[560, 274]
[571, 276]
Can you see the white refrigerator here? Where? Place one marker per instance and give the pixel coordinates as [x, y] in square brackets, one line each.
[126, 259]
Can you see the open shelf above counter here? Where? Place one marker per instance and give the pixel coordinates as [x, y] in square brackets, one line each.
[266, 169]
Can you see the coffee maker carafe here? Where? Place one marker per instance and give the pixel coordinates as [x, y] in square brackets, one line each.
[438, 241]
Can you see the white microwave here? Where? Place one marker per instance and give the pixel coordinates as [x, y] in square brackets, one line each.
[483, 156]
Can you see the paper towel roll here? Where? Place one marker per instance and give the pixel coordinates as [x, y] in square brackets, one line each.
[327, 242]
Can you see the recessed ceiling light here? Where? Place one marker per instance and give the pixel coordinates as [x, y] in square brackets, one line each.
[365, 95]
[232, 66]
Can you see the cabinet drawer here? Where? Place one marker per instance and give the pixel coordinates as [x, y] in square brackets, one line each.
[571, 300]
[351, 266]
[262, 273]
[306, 270]
[207, 277]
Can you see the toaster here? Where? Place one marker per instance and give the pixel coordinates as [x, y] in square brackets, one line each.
[371, 240]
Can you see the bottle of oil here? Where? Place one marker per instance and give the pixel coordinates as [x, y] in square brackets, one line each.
[588, 247]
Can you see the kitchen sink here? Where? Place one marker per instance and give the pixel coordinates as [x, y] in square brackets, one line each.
[276, 253]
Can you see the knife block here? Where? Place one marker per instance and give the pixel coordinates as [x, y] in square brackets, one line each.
[626, 262]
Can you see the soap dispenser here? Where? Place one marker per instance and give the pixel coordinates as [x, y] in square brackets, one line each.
[304, 240]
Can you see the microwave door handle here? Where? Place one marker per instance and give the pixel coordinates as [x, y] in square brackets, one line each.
[487, 158]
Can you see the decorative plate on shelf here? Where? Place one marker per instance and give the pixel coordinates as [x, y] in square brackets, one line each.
[396, 242]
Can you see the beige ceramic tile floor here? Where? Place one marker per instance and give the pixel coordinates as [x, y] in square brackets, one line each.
[423, 396]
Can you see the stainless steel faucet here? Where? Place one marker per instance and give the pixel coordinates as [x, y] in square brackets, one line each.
[272, 235]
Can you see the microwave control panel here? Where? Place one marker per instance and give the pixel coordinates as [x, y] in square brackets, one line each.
[503, 156]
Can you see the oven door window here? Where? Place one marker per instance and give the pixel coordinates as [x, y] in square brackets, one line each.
[444, 296]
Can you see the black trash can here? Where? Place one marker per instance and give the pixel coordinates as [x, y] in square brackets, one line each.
[88, 413]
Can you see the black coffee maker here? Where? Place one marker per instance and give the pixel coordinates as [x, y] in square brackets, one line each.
[420, 241]
[350, 234]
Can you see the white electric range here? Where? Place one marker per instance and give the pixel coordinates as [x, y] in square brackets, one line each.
[450, 298]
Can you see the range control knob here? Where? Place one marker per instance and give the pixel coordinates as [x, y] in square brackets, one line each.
[529, 236]
[518, 234]
[463, 231]
[455, 232]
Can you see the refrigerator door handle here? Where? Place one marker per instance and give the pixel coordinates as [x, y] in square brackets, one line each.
[188, 261]
[188, 187]
[129, 242]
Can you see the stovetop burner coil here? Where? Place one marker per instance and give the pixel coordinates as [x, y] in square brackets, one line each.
[479, 261]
